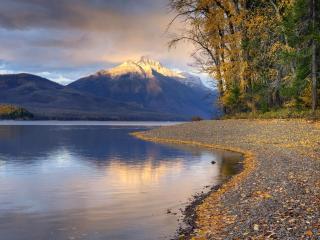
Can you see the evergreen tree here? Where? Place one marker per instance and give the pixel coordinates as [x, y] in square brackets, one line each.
[264, 54]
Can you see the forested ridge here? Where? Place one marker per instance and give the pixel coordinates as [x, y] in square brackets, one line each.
[264, 54]
[14, 112]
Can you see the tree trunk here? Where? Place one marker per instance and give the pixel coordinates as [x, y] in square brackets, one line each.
[314, 77]
[277, 86]
[270, 99]
[276, 98]
[314, 61]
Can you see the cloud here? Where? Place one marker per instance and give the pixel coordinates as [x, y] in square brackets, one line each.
[80, 14]
[67, 36]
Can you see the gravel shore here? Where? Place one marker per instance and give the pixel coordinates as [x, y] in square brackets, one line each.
[276, 196]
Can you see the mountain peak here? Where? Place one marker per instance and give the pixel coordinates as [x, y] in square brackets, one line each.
[145, 60]
[144, 67]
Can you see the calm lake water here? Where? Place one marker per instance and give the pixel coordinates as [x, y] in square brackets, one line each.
[95, 181]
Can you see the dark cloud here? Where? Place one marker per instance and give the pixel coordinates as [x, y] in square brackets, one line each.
[73, 34]
[79, 14]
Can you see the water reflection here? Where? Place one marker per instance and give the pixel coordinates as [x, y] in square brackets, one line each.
[97, 182]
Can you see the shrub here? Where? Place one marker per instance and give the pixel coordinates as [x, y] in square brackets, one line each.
[196, 118]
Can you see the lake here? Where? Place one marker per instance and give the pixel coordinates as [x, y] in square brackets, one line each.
[92, 180]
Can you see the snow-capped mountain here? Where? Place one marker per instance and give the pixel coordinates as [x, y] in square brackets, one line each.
[145, 67]
[148, 84]
[134, 90]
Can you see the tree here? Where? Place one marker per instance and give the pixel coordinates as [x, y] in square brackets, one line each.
[313, 11]
[261, 52]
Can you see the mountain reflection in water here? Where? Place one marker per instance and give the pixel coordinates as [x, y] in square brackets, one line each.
[98, 182]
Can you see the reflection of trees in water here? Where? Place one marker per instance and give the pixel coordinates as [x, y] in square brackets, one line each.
[99, 146]
[231, 165]
[8, 132]
[95, 169]
[230, 162]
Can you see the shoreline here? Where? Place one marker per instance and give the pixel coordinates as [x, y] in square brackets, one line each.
[276, 195]
[189, 213]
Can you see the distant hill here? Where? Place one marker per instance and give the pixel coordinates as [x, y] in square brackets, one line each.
[143, 90]
[49, 100]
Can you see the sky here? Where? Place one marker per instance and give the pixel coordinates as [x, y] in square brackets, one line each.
[64, 40]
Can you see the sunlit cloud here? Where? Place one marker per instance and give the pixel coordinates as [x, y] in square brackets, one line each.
[68, 38]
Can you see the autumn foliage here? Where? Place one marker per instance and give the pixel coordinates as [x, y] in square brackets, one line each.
[14, 112]
[263, 54]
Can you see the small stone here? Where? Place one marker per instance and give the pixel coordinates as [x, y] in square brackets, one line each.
[256, 227]
[309, 233]
[292, 220]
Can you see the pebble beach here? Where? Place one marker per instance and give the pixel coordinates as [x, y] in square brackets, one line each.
[276, 196]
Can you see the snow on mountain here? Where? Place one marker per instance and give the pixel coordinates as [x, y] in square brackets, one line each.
[191, 80]
[144, 67]
[151, 86]
[128, 67]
